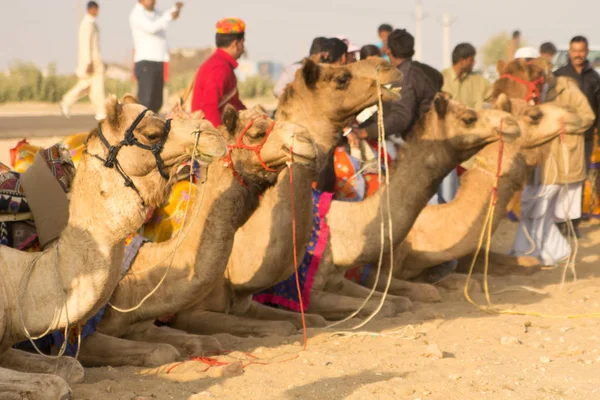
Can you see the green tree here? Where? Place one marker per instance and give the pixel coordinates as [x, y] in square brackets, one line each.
[494, 49]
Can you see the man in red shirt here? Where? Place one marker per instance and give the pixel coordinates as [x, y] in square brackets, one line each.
[216, 84]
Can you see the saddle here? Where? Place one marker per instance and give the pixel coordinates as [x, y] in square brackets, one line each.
[34, 205]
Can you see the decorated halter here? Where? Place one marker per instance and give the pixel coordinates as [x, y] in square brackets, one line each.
[239, 144]
[534, 92]
[130, 140]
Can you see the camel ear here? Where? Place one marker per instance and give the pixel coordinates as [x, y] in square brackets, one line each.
[500, 66]
[230, 118]
[114, 111]
[440, 103]
[129, 99]
[503, 103]
[310, 73]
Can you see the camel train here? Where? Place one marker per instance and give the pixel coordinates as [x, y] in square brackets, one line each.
[208, 274]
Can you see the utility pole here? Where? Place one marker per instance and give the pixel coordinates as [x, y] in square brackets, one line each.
[446, 24]
[419, 31]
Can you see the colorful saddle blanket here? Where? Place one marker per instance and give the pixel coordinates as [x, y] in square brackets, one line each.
[285, 293]
[22, 235]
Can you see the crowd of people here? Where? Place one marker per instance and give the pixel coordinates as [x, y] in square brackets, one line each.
[544, 203]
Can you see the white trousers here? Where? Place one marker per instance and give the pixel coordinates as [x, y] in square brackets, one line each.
[92, 86]
[541, 207]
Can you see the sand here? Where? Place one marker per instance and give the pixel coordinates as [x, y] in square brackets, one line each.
[448, 350]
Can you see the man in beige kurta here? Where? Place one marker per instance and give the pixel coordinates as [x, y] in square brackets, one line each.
[459, 80]
[90, 69]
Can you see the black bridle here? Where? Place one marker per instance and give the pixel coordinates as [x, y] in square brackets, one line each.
[130, 140]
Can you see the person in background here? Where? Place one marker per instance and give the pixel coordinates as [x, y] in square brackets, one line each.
[353, 53]
[459, 80]
[336, 52]
[90, 69]
[370, 51]
[149, 30]
[547, 51]
[289, 74]
[216, 84]
[513, 45]
[588, 80]
[418, 91]
[384, 32]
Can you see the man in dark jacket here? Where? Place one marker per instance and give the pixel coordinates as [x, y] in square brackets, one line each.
[580, 69]
[418, 91]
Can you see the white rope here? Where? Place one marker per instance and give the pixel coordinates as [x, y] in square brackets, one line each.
[381, 143]
[57, 310]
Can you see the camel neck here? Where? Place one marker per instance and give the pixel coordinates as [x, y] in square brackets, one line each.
[419, 170]
[90, 252]
[200, 258]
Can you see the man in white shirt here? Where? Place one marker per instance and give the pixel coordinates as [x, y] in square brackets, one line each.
[90, 68]
[148, 28]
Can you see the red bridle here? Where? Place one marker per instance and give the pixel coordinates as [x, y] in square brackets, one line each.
[239, 144]
[534, 91]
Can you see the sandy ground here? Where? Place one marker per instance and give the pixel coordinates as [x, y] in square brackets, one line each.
[483, 356]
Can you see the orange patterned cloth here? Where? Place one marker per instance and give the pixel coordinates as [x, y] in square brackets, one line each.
[22, 155]
[231, 25]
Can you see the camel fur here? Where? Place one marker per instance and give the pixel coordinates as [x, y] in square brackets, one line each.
[87, 256]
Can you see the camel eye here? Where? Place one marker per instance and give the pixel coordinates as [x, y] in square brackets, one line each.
[152, 136]
[342, 80]
[470, 119]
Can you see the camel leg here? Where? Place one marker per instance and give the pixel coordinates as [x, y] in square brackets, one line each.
[335, 307]
[19, 385]
[187, 344]
[415, 291]
[67, 368]
[260, 311]
[209, 323]
[349, 288]
[99, 350]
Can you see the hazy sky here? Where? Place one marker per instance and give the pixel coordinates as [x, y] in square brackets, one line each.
[46, 30]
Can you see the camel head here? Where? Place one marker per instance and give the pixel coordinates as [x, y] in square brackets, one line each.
[336, 93]
[540, 123]
[466, 130]
[146, 150]
[260, 147]
[521, 79]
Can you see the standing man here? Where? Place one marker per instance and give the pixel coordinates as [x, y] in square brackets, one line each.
[90, 69]
[216, 84]
[547, 51]
[459, 80]
[149, 30]
[384, 32]
[512, 46]
[588, 80]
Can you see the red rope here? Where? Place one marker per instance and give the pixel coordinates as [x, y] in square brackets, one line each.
[533, 88]
[295, 250]
[498, 166]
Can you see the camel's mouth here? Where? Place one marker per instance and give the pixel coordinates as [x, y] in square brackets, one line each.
[210, 146]
[510, 131]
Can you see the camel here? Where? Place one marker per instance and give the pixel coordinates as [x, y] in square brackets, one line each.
[324, 99]
[450, 131]
[75, 276]
[427, 245]
[201, 256]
